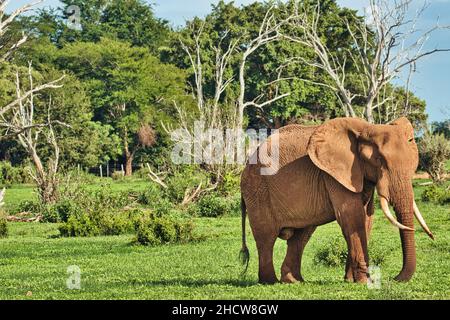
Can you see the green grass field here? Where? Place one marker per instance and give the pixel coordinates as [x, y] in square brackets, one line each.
[33, 259]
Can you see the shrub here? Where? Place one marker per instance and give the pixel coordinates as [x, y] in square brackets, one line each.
[332, 254]
[235, 204]
[28, 206]
[377, 255]
[437, 194]
[230, 183]
[61, 211]
[151, 195]
[117, 175]
[211, 205]
[78, 226]
[434, 151]
[13, 175]
[3, 227]
[96, 223]
[155, 230]
[189, 177]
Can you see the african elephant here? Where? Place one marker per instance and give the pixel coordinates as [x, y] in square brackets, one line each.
[325, 173]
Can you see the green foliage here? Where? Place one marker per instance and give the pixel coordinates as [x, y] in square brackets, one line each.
[187, 177]
[13, 175]
[31, 206]
[151, 195]
[61, 211]
[3, 227]
[213, 205]
[153, 230]
[434, 152]
[128, 20]
[117, 175]
[96, 223]
[332, 253]
[442, 127]
[437, 194]
[230, 183]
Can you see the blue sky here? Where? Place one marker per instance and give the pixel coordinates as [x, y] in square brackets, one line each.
[431, 82]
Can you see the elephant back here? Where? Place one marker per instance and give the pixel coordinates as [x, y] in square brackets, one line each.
[293, 142]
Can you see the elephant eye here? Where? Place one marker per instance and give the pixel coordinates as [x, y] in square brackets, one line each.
[410, 139]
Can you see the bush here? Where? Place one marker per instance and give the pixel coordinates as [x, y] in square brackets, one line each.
[230, 183]
[153, 230]
[332, 254]
[211, 205]
[61, 211]
[27, 206]
[98, 223]
[436, 194]
[3, 227]
[151, 195]
[188, 178]
[434, 151]
[117, 175]
[13, 175]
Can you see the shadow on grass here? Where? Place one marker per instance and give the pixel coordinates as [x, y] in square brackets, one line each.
[241, 283]
[197, 282]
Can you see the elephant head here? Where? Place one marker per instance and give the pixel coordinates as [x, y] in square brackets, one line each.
[355, 152]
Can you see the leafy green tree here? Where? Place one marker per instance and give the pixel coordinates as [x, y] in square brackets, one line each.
[132, 21]
[130, 89]
[441, 127]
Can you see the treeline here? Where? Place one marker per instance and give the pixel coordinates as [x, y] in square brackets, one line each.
[128, 74]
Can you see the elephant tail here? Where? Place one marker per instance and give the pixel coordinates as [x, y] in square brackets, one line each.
[244, 255]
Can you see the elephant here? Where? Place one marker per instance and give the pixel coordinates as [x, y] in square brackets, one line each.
[325, 173]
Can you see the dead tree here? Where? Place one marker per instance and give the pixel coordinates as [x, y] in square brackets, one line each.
[20, 123]
[383, 46]
[269, 31]
[6, 22]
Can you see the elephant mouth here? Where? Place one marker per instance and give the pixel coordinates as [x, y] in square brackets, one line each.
[387, 212]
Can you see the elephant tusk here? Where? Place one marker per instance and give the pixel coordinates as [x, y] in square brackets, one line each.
[421, 220]
[390, 217]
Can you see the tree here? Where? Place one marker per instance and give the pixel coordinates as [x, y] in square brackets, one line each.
[434, 151]
[381, 50]
[131, 21]
[21, 123]
[441, 127]
[130, 89]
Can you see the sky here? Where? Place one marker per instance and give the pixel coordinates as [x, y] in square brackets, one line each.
[430, 82]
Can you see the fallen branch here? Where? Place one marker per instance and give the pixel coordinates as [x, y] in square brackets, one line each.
[154, 177]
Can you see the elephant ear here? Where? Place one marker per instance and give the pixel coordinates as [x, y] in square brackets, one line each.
[333, 148]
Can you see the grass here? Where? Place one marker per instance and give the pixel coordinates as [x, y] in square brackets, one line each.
[34, 260]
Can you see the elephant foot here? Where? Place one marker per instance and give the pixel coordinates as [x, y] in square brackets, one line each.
[349, 278]
[290, 278]
[268, 281]
[267, 278]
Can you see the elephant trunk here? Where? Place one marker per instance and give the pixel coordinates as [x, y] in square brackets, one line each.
[404, 208]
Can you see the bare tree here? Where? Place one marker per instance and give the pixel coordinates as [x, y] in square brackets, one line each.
[213, 112]
[20, 122]
[383, 47]
[5, 24]
[269, 31]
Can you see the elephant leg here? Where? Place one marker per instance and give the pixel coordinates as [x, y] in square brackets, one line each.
[265, 243]
[351, 217]
[291, 268]
[348, 270]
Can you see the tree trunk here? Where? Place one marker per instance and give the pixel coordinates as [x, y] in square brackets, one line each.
[128, 163]
[128, 155]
